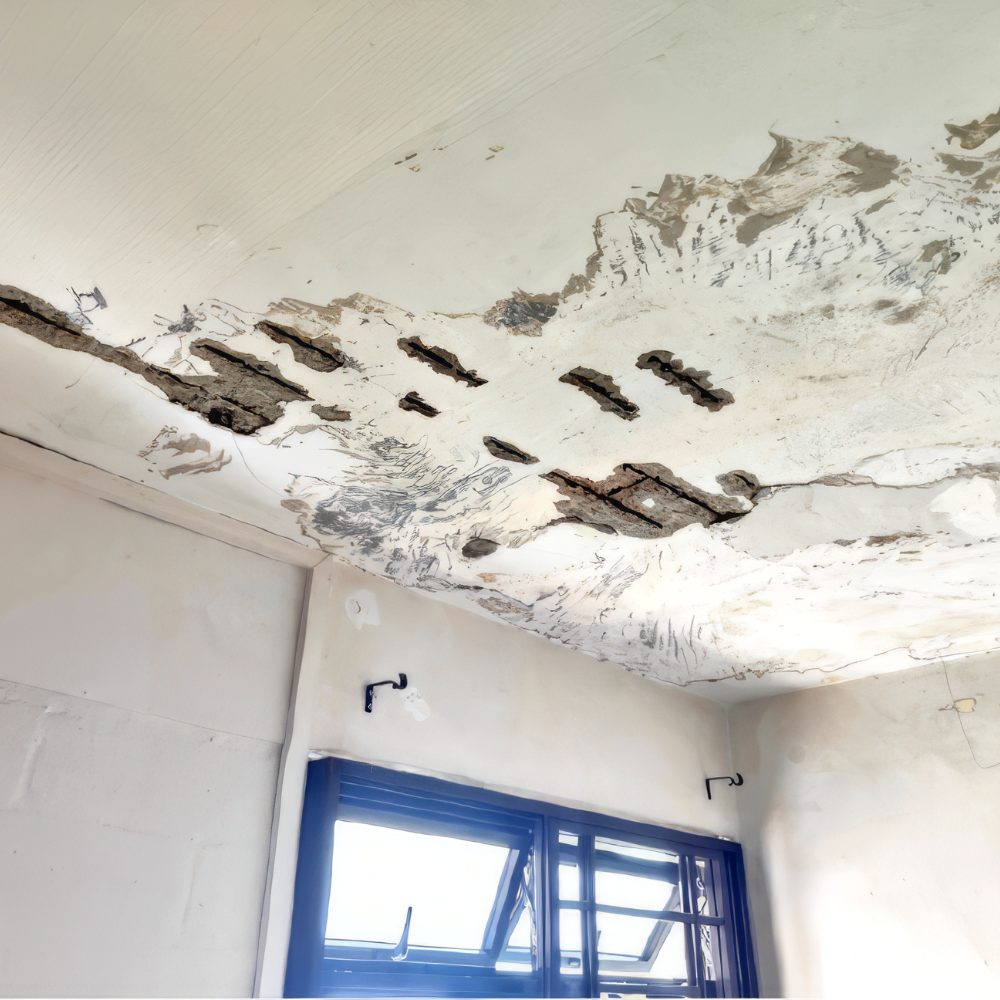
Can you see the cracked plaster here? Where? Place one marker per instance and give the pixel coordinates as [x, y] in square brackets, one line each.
[837, 308]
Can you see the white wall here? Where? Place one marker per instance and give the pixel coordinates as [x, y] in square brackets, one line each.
[509, 711]
[871, 828]
[144, 681]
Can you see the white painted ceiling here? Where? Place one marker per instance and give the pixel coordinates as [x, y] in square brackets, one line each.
[334, 194]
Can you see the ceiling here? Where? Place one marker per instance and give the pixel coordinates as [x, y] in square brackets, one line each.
[667, 331]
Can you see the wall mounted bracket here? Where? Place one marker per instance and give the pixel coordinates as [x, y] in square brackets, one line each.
[396, 686]
[733, 782]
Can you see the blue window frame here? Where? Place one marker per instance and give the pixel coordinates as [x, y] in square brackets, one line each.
[411, 886]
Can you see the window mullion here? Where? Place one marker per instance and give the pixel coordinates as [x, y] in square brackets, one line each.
[549, 906]
[692, 929]
[588, 896]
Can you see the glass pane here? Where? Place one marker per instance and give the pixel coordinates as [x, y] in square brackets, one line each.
[379, 872]
[708, 945]
[641, 948]
[637, 877]
[518, 955]
[569, 838]
[704, 888]
[634, 850]
[570, 942]
[569, 882]
[637, 892]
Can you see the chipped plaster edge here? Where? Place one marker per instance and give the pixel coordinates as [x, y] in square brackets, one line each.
[34, 459]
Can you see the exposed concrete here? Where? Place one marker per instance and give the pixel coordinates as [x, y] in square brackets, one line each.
[833, 301]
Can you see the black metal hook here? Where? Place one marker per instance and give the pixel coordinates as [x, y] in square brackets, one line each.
[733, 782]
[370, 690]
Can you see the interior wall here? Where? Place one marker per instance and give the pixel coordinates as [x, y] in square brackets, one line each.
[492, 706]
[144, 684]
[870, 821]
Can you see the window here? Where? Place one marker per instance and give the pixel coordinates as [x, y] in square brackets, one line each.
[409, 886]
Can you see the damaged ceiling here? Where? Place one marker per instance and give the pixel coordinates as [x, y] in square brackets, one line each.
[663, 331]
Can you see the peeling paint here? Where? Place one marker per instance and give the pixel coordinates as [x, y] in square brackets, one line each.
[691, 382]
[415, 403]
[244, 393]
[522, 313]
[442, 361]
[842, 295]
[508, 452]
[603, 389]
[644, 501]
[315, 354]
[973, 134]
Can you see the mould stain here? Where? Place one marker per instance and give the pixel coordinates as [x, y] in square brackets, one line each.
[691, 382]
[603, 389]
[442, 361]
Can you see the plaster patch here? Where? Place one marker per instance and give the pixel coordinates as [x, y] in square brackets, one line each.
[361, 608]
[415, 704]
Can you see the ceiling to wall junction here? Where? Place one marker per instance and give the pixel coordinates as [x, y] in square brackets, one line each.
[664, 331]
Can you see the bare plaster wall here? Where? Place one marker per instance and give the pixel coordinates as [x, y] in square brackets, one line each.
[494, 707]
[136, 787]
[870, 823]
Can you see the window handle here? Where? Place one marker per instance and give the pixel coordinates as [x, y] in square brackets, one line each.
[403, 948]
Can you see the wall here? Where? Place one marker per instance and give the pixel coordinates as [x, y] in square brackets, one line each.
[493, 706]
[144, 682]
[870, 824]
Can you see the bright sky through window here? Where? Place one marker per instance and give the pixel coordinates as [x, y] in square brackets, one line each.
[378, 872]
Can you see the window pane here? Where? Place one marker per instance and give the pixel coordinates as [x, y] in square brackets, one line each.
[708, 944]
[638, 877]
[518, 956]
[641, 948]
[704, 888]
[637, 892]
[571, 942]
[378, 872]
[569, 882]
[634, 851]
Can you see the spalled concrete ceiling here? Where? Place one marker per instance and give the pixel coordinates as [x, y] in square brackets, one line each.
[665, 331]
